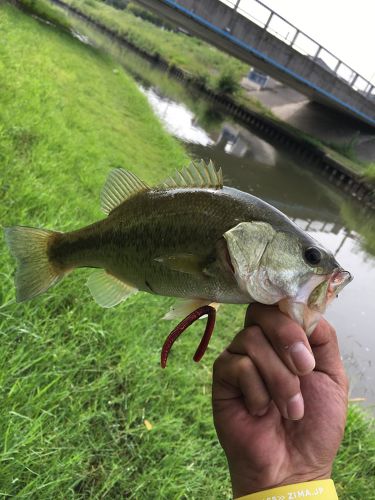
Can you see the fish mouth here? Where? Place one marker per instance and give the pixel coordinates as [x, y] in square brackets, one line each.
[339, 279]
[308, 313]
[328, 289]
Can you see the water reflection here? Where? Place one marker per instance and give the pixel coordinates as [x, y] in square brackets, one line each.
[237, 141]
[178, 119]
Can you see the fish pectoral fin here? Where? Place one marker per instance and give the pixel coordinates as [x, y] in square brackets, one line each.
[196, 175]
[187, 263]
[119, 186]
[107, 290]
[184, 307]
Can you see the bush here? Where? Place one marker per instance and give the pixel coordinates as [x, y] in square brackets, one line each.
[226, 83]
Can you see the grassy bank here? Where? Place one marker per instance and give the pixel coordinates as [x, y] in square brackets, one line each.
[78, 382]
[216, 69]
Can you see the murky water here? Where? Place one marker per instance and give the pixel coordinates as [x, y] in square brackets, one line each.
[253, 165]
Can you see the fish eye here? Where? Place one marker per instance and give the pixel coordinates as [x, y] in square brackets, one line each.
[313, 256]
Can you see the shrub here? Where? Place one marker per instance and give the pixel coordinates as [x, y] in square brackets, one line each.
[226, 83]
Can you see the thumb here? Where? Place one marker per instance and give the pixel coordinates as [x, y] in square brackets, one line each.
[324, 344]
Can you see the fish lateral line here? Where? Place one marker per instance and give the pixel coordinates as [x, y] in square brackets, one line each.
[183, 325]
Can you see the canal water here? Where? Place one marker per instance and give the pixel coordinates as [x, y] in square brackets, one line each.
[251, 164]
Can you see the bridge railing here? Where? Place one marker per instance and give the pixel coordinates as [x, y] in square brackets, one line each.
[266, 18]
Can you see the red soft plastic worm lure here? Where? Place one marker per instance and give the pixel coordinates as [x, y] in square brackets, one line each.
[183, 325]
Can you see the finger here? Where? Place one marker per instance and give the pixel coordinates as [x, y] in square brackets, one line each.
[282, 385]
[235, 376]
[287, 338]
[325, 347]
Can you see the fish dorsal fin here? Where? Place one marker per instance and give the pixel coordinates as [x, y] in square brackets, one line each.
[107, 290]
[196, 175]
[119, 186]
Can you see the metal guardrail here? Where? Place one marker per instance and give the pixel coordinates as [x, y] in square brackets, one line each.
[278, 26]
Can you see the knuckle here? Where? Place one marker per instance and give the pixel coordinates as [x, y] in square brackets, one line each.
[244, 365]
[250, 335]
[257, 410]
[260, 400]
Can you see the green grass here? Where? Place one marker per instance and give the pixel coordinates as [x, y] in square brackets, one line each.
[193, 55]
[354, 467]
[77, 381]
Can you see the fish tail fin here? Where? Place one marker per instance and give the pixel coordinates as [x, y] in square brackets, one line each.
[35, 272]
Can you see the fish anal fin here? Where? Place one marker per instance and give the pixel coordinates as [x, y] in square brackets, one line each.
[107, 290]
[197, 175]
[184, 263]
[119, 186]
[184, 307]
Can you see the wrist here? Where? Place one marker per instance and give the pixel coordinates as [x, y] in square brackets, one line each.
[245, 484]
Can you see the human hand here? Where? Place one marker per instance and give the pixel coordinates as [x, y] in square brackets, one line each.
[278, 421]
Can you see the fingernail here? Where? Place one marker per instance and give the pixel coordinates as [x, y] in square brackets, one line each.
[295, 407]
[262, 412]
[302, 358]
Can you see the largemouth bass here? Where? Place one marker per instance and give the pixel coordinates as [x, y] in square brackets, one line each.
[190, 237]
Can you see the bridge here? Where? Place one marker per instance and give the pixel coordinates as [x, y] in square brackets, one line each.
[262, 38]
